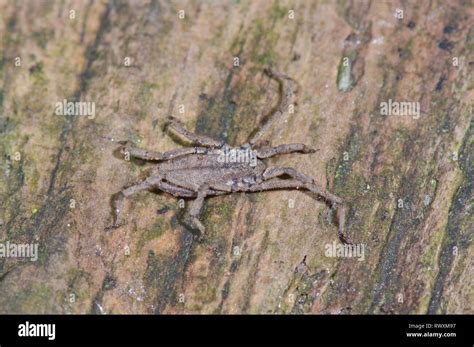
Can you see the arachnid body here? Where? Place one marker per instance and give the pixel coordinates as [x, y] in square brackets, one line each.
[213, 168]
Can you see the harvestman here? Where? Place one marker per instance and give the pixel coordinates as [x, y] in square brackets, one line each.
[196, 172]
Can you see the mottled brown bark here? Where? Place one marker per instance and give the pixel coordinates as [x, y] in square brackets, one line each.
[407, 181]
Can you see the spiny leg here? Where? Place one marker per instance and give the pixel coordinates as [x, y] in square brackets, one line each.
[303, 181]
[267, 152]
[196, 208]
[286, 100]
[161, 156]
[200, 140]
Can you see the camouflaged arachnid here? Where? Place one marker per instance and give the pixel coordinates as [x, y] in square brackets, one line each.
[214, 168]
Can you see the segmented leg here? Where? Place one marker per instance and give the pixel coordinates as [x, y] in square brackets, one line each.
[297, 181]
[176, 191]
[267, 152]
[307, 181]
[151, 183]
[199, 140]
[117, 199]
[161, 156]
[196, 208]
[285, 101]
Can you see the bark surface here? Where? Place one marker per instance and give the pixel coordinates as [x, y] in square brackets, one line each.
[408, 181]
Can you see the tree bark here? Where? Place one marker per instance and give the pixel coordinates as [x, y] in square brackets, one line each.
[407, 180]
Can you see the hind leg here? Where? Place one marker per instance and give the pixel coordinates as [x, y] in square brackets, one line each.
[306, 181]
[297, 181]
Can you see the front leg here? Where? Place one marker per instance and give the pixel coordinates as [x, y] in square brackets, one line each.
[286, 98]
